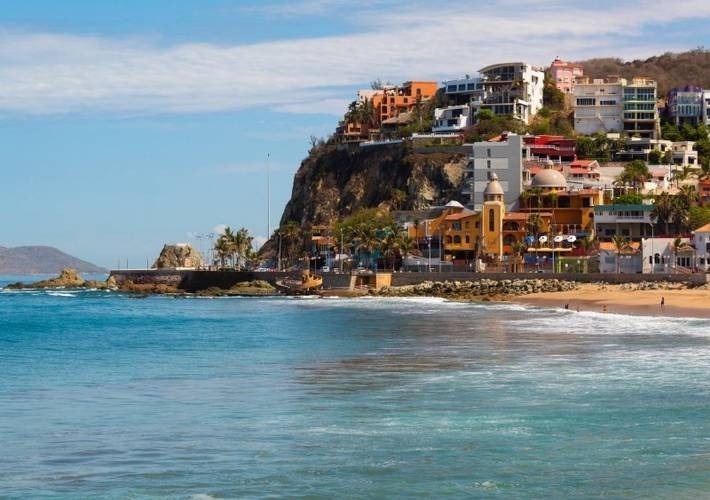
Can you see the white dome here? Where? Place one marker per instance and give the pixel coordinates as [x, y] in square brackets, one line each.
[549, 178]
[454, 204]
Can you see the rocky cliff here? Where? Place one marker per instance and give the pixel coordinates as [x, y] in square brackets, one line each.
[335, 181]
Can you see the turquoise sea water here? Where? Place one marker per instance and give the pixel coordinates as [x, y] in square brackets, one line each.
[103, 395]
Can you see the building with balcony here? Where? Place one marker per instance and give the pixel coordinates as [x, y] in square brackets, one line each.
[452, 119]
[503, 158]
[564, 74]
[706, 107]
[631, 221]
[549, 147]
[571, 209]
[685, 105]
[385, 104]
[598, 105]
[510, 89]
[704, 192]
[640, 117]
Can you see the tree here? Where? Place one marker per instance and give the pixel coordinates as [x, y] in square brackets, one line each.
[222, 248]
[663, 210]
[405, 245]
[634, 174]
[290, 240]
[398, 198]
[621, 245]
[655, 157]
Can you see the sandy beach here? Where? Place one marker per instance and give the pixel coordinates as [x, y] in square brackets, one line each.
[693, 303]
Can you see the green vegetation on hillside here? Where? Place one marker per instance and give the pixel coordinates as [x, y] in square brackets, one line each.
[669, 70]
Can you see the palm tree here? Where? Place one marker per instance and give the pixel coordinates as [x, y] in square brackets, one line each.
[589, 245]
[367, 240]
[621, 244]
[534, 223]
[405, 245]
[222, 248]
[662, 209]
[290, 238]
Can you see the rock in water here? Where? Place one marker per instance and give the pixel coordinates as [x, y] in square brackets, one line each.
[180, 255]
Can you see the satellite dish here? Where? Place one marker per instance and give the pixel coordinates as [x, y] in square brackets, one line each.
[571, 238]
[542, 239]
[559, 238]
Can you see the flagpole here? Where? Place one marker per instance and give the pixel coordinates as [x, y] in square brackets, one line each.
[268, 195]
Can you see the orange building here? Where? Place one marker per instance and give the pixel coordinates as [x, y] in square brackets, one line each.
[387, 103]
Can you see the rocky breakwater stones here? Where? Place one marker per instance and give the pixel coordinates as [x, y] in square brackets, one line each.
[482, 289]
[68, 278]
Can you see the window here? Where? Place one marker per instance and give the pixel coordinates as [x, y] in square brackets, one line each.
[585, 101]
[488, 163]
[607, 103]
[488, 152]
[491, 220]
[456, 226]
[468, 239]
[457, 240]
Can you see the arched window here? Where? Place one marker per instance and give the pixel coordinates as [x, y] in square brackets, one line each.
[457, 240]
[491, 220]
[448, 240]
[511, 226]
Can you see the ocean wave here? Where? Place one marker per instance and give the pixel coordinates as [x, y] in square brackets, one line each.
[61, 294]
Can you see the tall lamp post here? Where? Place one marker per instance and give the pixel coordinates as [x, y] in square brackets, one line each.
[342, 246]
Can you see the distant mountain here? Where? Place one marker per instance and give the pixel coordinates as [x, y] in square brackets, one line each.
[41, 260]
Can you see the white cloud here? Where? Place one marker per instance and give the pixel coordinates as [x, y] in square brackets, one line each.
[57, 73]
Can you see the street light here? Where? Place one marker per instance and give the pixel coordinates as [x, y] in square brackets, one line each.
[342, 246]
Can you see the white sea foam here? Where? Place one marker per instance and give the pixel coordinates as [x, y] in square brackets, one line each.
[61, 294]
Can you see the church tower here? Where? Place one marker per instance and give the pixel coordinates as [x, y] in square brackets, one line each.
[492, 219]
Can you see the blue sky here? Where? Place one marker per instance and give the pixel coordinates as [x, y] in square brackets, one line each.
[124, 125]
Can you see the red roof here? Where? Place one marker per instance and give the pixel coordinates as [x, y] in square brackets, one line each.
[582, 163]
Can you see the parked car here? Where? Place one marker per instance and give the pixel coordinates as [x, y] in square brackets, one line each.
[325, 269]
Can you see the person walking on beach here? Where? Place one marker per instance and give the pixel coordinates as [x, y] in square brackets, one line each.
[663, 302]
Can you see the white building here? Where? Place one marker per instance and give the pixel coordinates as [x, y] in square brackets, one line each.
[452, 119]
[598, 105]
[510, 89]
[661, 256]
[505, 159]
[706, 107]
[701, 243]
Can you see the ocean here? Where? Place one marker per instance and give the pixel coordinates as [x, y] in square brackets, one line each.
[104, 395]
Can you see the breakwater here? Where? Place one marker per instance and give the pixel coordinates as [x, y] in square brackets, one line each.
[195, 280]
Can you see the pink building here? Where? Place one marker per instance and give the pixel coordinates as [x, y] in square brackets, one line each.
[563, 74]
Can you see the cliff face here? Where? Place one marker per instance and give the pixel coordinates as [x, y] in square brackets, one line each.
[333, 182]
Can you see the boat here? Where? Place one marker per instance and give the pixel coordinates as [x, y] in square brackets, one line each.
[308, 283]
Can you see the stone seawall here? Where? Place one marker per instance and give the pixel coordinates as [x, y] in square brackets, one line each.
[192, 281]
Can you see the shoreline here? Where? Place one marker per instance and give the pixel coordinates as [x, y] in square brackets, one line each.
[623, 299]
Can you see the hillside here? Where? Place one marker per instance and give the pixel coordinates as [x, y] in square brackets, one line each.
[41, 260]
[334, 182]
[669, 70]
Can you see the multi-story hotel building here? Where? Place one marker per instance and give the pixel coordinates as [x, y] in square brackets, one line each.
[640, 112]
[510, 89]
[598, 105]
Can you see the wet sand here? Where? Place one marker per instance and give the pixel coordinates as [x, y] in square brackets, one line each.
[694, 303]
